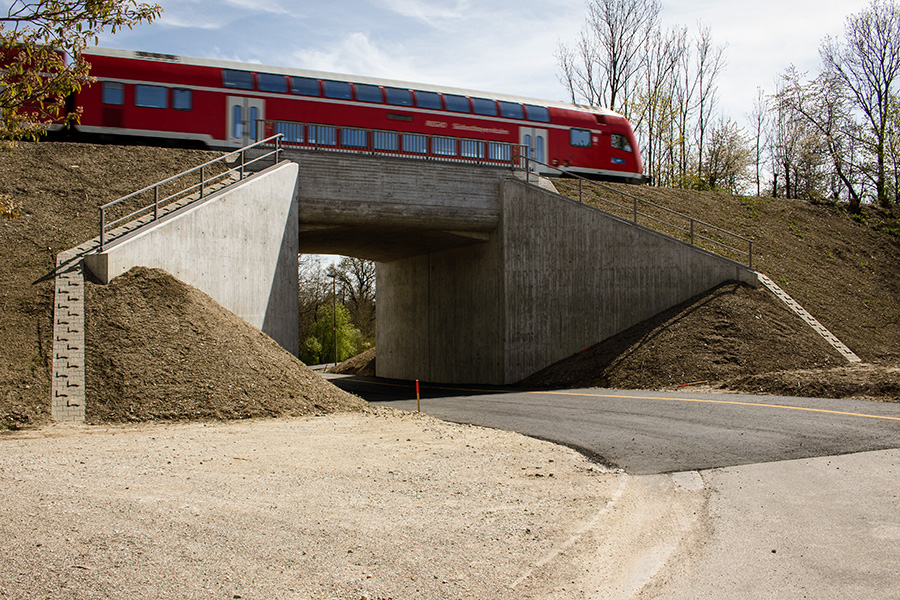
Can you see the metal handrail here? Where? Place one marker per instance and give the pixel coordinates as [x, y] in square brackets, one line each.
[386, 142]
[632, 208]
[158, 202]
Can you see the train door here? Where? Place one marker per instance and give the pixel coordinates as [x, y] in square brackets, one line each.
[242, 116]
[535, 142]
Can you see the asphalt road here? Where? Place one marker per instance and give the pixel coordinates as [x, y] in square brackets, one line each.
[656, 432]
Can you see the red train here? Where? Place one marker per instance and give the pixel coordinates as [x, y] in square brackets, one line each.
[214, 102]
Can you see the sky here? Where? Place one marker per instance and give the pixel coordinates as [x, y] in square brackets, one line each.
[479, 44]
[483, 45]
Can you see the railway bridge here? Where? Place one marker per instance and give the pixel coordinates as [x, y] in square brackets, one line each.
[482, 276]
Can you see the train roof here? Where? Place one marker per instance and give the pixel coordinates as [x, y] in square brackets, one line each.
[228, 64]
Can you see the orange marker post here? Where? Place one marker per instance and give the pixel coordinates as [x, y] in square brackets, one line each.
[418, 402]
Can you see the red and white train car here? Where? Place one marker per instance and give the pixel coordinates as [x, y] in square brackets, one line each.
[215, 102]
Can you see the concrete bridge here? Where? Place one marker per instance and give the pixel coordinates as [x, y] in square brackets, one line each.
[481, 277]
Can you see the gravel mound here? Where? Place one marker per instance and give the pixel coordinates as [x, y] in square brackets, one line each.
[361, 364]
[158, 349]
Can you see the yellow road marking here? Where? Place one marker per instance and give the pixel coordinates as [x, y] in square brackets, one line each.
[734, 402]
[623, 396]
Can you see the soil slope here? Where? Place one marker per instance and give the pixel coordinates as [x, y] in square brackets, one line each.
[845, 270]
[60, 187]
[158, 349]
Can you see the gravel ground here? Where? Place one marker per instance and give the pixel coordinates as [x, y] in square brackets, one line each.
[344, 506]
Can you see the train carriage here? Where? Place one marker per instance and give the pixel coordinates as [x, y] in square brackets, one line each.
[224, 104]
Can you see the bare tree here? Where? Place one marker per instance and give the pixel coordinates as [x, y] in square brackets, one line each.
[867, 63]
[710, 62]
[654, 112]
[759, 119]
[356, 278]
[601, 67]
[824, 109]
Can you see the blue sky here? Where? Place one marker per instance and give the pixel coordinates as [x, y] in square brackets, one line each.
[478, 44]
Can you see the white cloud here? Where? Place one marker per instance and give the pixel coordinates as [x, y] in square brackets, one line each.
[357, 54]
[432, 13]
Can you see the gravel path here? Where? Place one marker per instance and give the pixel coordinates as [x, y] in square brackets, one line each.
[346, 506]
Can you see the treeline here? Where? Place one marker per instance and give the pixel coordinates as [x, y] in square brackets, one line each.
[834, 134]
[337, 309]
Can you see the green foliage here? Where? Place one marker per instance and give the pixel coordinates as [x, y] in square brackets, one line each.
[311, 352]
[320, 346]
[35, 38]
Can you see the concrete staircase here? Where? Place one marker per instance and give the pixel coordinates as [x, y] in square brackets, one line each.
[68, 382]
[809, 319]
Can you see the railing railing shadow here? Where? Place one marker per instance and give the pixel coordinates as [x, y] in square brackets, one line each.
[175, 189]
[643, 212]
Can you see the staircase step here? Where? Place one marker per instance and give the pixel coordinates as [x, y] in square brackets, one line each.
[809, 319]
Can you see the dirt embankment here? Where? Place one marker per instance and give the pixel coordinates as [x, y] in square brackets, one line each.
[159, 349]
[844, 269]
[60, 188]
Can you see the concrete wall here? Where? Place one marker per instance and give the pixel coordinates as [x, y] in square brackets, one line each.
[576, 276]
[554, 278]
[239, 246]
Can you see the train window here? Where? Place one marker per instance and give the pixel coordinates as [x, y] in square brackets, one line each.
[151, 96]
[511, 110]
[304, 86]
[339, 90]
[620, 142]
[113, 93]
[272, 83]
[182, 99]
[457, 103]
[242, 80]
[537, 113]
[580, 138]
[368, 93]
[399, 97]
[428, 100]
[485, 107]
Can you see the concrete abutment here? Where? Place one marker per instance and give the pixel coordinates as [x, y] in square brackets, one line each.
[555, 277]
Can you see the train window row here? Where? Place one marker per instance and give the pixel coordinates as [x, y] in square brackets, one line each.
[362, 92]
[148, 96]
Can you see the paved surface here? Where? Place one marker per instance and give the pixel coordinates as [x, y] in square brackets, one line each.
[658, 432]
[803, 494]
[816, 528]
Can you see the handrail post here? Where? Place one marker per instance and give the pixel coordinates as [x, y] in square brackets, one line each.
[580, 198]
[242, 164]
[155, 202]
[692, 231]
[635, 210]
[750, 252]
[202, 179]
[102, 228]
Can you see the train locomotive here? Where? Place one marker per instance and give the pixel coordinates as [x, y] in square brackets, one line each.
[227, 105]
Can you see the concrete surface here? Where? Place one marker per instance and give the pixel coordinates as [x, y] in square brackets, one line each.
[385, 209]
[817, 528]
[555, 277]
[239, 246]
